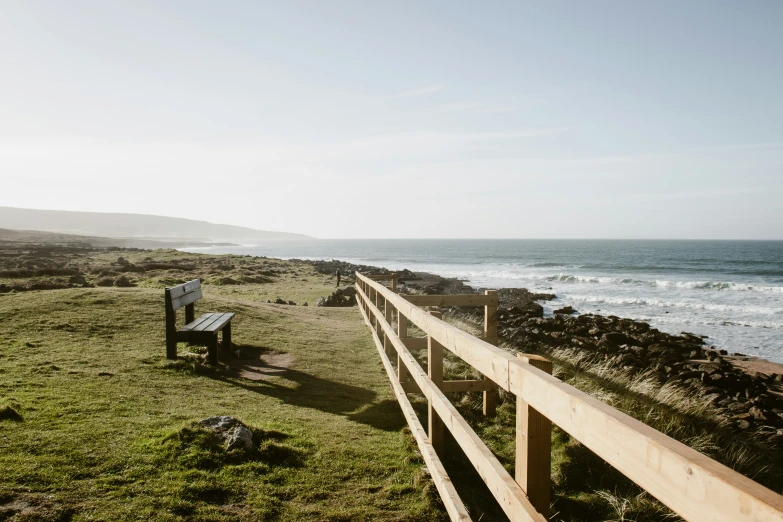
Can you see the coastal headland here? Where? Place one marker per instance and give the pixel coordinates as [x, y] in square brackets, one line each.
[95, 422]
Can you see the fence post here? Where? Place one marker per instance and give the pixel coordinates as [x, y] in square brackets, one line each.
[402, 332]
[490, 336]
[367, 292]
[378, 327]
[367, 302]
[435, 373]
[364, 301]
[388, 308]
[394, 282]
[534, 446]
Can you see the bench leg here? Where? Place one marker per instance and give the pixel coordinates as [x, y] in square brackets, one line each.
[212, 350]
[171, 346]
[227, 338]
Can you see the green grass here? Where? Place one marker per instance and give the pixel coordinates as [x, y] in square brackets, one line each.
[95, 424]
[106, 428]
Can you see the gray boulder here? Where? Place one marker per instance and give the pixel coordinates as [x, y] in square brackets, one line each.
[240, 438]
[231, 431]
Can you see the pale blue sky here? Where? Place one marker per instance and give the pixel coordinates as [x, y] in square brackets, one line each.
[401, 119]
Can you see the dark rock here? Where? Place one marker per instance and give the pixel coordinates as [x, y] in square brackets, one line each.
[737, 406]
[122, 282]
[106, 281]
[566, 310]
[225, 281]
[616, 338]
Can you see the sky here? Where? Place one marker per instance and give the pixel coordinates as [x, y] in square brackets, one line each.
[413, 119]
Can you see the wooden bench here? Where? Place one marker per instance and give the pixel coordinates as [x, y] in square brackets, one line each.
[202, 331]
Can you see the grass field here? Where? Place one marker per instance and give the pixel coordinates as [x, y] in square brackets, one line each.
[105, 427]
[95, 423]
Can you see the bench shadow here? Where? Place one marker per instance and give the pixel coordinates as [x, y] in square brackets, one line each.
[256, 365]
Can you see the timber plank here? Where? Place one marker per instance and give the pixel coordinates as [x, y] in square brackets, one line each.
[186, 299]
[195, 323]
[454, 386]
[185, 288]
[217, 322]
[452, 300]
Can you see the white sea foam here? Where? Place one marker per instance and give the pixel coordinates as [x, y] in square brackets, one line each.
[719, 285]
[663, 303]
[491, 274]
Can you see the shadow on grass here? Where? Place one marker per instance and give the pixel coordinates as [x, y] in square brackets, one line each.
[9, 413]
[320, 394]
[254, 374]
[384, 415]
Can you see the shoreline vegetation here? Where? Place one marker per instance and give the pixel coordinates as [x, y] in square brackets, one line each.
[94, 422]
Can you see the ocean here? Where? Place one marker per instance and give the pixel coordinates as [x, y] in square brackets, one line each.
[730, 291]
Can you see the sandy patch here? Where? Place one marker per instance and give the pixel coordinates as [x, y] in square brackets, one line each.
[258, 364]
[753, 365]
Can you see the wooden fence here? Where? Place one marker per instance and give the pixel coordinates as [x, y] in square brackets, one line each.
[689, 483]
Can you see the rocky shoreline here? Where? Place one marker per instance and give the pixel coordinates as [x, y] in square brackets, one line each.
[747, 395]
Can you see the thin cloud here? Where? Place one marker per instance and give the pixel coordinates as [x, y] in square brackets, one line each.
[478, 107]
[706, 193]
[421, 91]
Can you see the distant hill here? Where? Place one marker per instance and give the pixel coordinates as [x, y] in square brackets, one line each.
[136, 226]
[38, 237]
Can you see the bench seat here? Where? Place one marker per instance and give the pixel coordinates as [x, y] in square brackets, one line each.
[205, 324]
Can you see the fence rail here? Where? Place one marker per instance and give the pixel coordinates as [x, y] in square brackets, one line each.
[691, 484]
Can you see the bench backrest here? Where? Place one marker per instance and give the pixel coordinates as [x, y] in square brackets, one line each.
[183, 295]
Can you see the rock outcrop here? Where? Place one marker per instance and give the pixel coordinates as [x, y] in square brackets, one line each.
[749, 401]
[338, 298]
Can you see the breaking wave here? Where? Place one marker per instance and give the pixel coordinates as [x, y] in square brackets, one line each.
[663, 303]
[512, 275]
